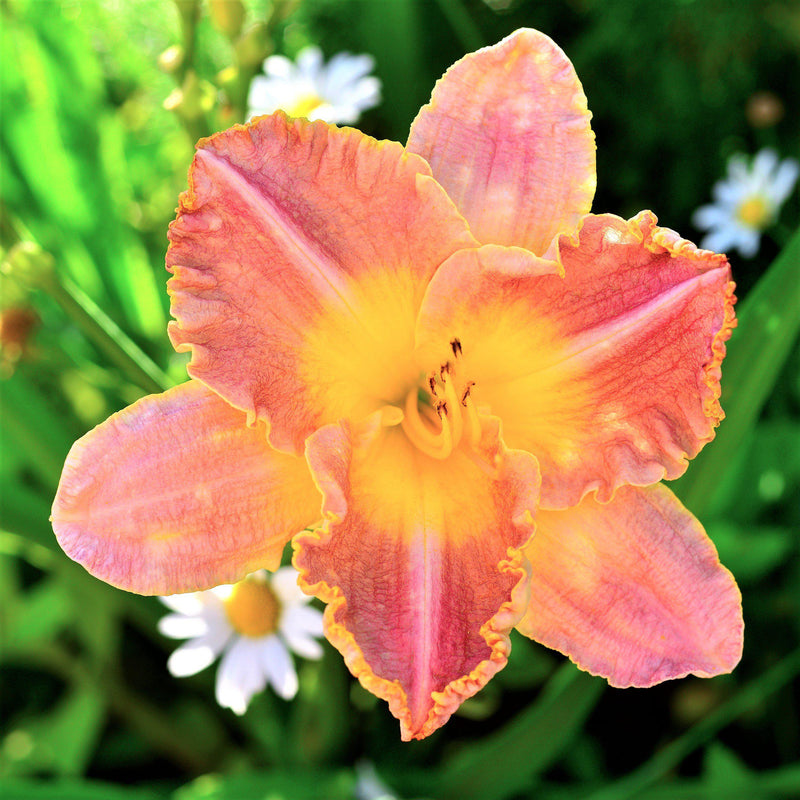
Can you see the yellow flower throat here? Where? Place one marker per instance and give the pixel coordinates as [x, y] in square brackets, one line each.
[438, 416]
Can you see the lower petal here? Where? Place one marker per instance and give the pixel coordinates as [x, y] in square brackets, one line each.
[420, 563]
[175, 493]
[633, 590]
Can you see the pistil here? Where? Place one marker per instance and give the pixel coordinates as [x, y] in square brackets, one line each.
[446, 417]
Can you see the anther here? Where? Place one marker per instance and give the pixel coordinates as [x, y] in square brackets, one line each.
[464, 396]
[455, 345]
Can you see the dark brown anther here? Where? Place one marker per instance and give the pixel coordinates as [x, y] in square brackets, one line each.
[441, 408]
[456, 347]
[445, 369]
[464, 396]
[432, 384]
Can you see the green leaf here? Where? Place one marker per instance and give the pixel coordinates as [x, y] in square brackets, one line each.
[722, 767]
[751, 552]
[30, 425]
[388, 28]
[669, 756]
[296, 785]
[26, 789]
[63, 739]
[507, 761]
[769, 322]
[41, 612]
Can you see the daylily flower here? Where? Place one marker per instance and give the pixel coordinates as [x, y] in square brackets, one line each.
[253, 624]
[482, 383]
[746, 202]
[338, 92]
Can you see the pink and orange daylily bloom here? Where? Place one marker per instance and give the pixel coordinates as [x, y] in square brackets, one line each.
[460, 386]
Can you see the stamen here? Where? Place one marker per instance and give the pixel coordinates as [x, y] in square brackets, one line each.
[455, 345]
[473, 423]
[454, 408]
[391, 416]
[437, 445]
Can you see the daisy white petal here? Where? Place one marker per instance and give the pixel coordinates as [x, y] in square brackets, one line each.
[721, 240]
[748, 243]
[284, 584]
[709, 216]
[303, 645]
[179, 626]
[278, 67]
[190, 604]
[344, 69]
[784, 180]
[306, 620]
[764, 163]
[240, 675]
[199, 653]
[309, 62]
[278, 667]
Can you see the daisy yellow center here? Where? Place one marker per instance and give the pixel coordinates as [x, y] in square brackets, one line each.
[754, 212]
[441, 413]
[304, 105]
[253, 609]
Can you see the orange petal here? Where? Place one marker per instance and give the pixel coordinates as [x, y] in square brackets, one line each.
[633, 590]
[608, 375]
[507, 134]
[419, 561]
[284, 222]
[175, 494]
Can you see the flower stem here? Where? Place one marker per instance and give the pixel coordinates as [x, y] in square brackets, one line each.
[107, 335]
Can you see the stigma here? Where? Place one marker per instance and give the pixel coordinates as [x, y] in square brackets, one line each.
[441, 413]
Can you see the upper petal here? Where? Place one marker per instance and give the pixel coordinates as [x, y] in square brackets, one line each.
[633, 590]
[507, 134]
[420, 563]
[286, 222]
[609, 374]
[175, 493]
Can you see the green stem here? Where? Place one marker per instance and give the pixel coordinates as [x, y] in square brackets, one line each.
[671, 756]
[107, 335]
[151, 723]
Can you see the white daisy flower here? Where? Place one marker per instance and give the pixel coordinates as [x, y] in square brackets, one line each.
[337, 92]
[746, 202]
[253, 624]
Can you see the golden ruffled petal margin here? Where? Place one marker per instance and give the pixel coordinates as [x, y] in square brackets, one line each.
[654, 238]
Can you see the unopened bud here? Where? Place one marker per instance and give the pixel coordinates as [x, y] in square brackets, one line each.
[171, 59]
[764, 109]
[227, 77]
[193, 99]
[189, 10]
[254, 46]
[28, 264]
[228, 16]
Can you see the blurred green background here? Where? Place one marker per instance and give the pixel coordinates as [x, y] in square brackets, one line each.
[92, 165]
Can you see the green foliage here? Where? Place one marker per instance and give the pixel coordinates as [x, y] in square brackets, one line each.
[91, 168]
